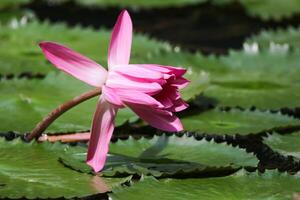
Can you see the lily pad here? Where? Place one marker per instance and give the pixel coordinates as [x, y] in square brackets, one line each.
[287, 145]
[25, 102]
[164, 156]
[284, 38]
[237, 122]
[271, 9]
[264, 9]
[266, 80]
[23, 42]
[271, 185]
[19, 51]
[4, 4]
[16, 17]
[32, 170]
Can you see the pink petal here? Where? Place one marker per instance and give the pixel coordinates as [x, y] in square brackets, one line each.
[101, 133]
[74, 64]
[179, 105]
[118, 81]
[166, 101]
[178, 71]
[160, 119]
[180, 83]
[156, 67]
[138, 71]
[110, 95]
[120, 44]
[138, 98]
[169, 92]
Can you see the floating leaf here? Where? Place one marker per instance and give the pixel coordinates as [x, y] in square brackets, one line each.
[266, 80]
[271, 9]
[20, 53]
[271, 185]
[237, 122]
[284, 38]
[285, 144]
[12, 4]
[24, 54]
[32, 170]
[266, 9]
[16, 17]
[165, 156]
[25, 102]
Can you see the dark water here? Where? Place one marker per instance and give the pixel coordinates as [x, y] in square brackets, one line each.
[204, 27]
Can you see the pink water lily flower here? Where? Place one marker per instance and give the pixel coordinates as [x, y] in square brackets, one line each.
[150, 90]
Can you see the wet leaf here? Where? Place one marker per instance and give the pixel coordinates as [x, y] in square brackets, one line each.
[271, 185]
[32, 170]
[16, 17]
[237, 122]
[165, 156]
[271, 9]
[20, 53]
[4, 4]
[265, 80]
[25, 102]
[265, 9]
[279, 38]
[287, 144]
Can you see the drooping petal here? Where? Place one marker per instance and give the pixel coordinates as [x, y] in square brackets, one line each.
[156, 67]
[101, 133]
[179, 105]
[169, 93]
[139, 71]
[118, 81]
[180, 83]
[178, 71]
[110, 95]
[138, 98]
[120, 44]
[160, 119]
[74, 64]
[166, 101]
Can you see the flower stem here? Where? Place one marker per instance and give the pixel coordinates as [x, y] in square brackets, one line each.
[73, 137]
[52, 116]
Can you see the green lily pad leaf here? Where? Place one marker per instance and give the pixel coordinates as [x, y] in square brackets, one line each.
[165, 156]
[237, 122]
[25, 102]
[32, 170]
[287, 145]
[271, 185]
[266, 9]
[15, 18]
[283, 38]
[271, 9]
[199, 82]
[23, 42]
[266, 80]
[4, 4]
[20, 53]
